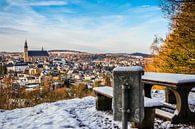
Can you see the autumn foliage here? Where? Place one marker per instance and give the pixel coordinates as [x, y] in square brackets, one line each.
[177, 52]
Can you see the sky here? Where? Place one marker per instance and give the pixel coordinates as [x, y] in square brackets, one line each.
[97, 26]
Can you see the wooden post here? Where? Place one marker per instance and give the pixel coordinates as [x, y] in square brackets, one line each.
[103, 103]
[170, 96]
[131, 101]
[148, 122]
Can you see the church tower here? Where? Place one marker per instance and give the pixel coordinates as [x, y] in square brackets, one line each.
[25, 51]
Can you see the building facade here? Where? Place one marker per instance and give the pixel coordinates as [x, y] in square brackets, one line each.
[34, 55]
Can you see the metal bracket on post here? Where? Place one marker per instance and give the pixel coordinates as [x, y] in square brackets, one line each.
[125, 109]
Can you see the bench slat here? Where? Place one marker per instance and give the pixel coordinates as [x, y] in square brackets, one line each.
[164, 114]
[106, 90]
[149, 102]
[168, 105]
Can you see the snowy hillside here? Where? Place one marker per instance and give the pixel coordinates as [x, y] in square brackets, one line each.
[69, 114]
[66, 114]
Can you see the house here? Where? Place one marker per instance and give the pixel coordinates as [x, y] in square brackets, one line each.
[20, 66]
[32, 80]
[59, 61]
[10, 67]
[34, 71]
[27, 81]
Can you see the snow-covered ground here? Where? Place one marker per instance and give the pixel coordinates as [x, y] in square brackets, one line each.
[160, 124]
[68, 114]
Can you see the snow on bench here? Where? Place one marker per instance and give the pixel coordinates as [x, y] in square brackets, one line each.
[105, 90]
[169, 77]
[193, 90]
[108, 92]
[191, 97]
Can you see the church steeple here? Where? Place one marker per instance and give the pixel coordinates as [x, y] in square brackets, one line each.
[42, 48]
[25, 51]
[25, 44]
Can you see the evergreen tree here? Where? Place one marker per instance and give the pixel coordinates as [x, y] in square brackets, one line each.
[177, 54]
[1, 69]
[4, 69]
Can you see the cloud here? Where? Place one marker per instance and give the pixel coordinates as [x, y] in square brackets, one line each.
[118, 32]
[47, 3]
[33, 3]
[8, 30]
[145, 10]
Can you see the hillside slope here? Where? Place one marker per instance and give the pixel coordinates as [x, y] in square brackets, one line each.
[68, 114]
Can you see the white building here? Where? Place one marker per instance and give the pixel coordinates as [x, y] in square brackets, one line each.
[10, 67]
[20, 67]
[28, 80]
[59, 61]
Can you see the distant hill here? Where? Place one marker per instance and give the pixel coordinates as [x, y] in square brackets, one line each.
[74, 51]
[140, 54]
[118, 54]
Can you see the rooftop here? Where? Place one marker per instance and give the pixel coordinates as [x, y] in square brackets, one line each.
[38, 53]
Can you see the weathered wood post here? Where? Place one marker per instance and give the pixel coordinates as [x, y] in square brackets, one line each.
[103, 103]
[170, 96]
[128, 98]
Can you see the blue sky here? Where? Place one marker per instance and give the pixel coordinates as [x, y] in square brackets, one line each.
[86, 25]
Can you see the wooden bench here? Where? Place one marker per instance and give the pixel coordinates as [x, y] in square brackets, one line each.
[181, 85]
[104, 103]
